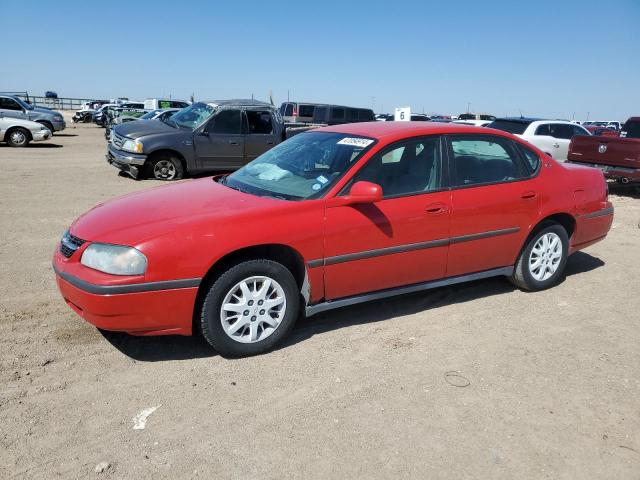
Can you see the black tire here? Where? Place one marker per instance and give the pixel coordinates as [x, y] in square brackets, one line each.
[523, 277]
[49, 125]
[165, 167]
[210, 317]
[18, 137]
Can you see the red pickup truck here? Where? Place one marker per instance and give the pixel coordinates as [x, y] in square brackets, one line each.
[617, 157]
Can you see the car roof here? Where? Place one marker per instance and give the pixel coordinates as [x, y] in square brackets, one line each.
[386, 130]
[239, 102]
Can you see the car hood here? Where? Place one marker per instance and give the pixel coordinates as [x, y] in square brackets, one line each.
[45, 110]
[185, 206]
[142, 128]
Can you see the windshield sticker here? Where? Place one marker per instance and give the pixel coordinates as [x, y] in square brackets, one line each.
[322, 179]
[356, 142]
[316, 186]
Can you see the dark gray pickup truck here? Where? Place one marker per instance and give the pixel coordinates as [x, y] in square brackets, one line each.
[204, 137]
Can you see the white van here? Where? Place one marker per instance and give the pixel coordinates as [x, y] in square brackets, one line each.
[161, 103]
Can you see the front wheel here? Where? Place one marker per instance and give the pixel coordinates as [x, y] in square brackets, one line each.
[165, 167]
[250, 308]
[542, 262]
[18, 137]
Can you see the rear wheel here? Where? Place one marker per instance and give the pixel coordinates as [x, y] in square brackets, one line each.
[165, 167]
[542, 262]
[250, 308]
[18, 137]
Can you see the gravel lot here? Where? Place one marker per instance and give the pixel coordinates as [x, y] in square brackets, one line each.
[473, 381]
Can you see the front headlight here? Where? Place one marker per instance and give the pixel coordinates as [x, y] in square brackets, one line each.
[133, 146]
[57, 118]
[42, 127]
[114, 259]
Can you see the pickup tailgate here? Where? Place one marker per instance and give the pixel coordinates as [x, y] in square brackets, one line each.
[605, 151]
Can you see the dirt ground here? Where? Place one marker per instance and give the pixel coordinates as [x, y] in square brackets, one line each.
[473, 381]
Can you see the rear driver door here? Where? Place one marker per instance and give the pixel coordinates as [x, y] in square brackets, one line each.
[495, 200]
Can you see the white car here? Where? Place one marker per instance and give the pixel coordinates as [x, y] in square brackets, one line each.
[477, 123]
[550, 136]
[18, 132]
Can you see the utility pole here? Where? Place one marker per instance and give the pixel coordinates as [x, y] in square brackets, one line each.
[468, 107]
[287, 94]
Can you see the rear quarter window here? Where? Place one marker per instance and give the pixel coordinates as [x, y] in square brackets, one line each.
[531, 158]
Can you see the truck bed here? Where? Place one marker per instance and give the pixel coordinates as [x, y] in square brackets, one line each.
[618, 158]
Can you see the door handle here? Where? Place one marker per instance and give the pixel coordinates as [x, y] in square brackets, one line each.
[270, 143]
[528, 195]
[231, 142]
[437, 209]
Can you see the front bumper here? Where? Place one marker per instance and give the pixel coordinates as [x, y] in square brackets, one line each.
[41, 135]
[59, 126]
[129, 163]
[151, 312]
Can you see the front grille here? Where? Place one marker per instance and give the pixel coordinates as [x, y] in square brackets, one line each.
[69, 244]
[116, 140]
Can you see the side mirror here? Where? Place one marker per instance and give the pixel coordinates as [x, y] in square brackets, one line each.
[360, 193]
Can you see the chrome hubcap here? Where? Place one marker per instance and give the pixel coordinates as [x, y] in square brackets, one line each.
[18, 137]
[164, 169]
[545, 256]
[253, 309]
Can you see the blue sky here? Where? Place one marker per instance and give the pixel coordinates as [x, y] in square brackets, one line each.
[542, 58]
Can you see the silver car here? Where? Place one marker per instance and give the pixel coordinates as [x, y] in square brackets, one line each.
[18, 132]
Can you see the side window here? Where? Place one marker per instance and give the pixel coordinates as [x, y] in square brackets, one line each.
[579, 130]
[305, 110]
[409, 167]
[9, 104]
[543, 130]
[532, 158]
[288, 110]
[483, 159]
[337, 114]
[561, 130]
[259, 122]
[352, 115]
[227, 121]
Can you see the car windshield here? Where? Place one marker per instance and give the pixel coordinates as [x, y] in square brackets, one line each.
[515, 127]
[303, 167]
[191, 117]
[149, 115]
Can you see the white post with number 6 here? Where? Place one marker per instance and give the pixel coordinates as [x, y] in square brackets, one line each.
[403, 114]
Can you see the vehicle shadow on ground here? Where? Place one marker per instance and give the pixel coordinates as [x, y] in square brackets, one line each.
[381, 310]
[35, 145]
[154, 349]
[629, 190]
[66, 135]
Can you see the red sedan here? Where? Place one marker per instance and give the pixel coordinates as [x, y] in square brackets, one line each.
[329, 218]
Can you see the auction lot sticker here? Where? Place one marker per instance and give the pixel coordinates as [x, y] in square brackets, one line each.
[356, 142]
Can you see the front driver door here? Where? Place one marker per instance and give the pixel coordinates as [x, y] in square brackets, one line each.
[221, 144]
[400, 240]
